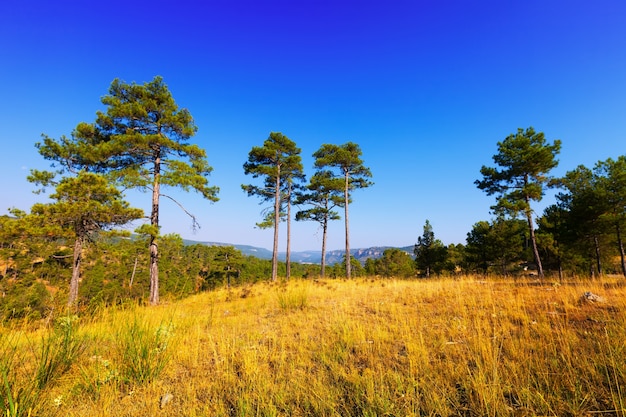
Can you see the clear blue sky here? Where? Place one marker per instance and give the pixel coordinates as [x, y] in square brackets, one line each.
[426, 88]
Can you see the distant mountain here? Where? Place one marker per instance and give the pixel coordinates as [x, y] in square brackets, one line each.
[311, 256]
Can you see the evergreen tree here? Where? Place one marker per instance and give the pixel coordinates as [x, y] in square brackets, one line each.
[582, 200]
[478, 248]
[430, 253]
[594, 201]
[346, 159]
[553, 236]
[499, 243]
[323, 193]
[395, 263]
[141, 141]
[611, 182]
[524, 159]
[278, 162]
[85, 205]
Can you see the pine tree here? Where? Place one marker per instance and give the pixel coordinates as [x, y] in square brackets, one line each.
[524, 160]
[279, 163]
[346, 159]
[142, 141]
[84, 206]
[323, 193]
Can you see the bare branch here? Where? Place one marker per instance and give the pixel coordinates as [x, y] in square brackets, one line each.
[194, 222]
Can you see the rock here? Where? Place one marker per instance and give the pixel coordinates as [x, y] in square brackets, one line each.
[592, 298]
[166, 398]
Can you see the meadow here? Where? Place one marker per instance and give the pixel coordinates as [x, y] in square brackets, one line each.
[470, 346]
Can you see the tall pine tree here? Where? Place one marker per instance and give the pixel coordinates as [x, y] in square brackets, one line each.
[279, 163]
[523, 161]
[346, 159]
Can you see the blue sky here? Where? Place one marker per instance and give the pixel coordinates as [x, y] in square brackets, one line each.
[426, 88]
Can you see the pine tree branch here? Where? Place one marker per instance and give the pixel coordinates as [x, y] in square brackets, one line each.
[195, 225]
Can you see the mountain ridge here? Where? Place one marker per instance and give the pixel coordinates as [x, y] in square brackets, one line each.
[309, 256]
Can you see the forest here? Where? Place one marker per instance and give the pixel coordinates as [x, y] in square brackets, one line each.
[72, 252]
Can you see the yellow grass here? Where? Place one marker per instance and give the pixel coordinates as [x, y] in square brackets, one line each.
[438, 347]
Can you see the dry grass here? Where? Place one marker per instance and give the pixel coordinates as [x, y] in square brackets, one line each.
[440, 347]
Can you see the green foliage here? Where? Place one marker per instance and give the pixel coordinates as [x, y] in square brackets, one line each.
[279, 164]
[323, 193]
[85, 204]
[346, 159]
[25, 298]
[496, 247]
[339, 269]
[524, 160]
[141, 141]
[145, 137]
[430, 253]
[591, 215]
[395, 263]
[455, 259]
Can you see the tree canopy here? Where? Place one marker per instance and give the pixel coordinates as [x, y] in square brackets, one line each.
[523, 161]
[142, 142]
[84, 205]
[430, 253]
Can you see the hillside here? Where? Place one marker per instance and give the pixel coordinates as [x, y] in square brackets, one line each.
[464, 347]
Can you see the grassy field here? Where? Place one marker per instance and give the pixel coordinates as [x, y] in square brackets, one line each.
[438, 347]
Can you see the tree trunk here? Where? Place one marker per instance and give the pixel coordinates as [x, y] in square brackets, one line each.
[78, 254]
[288, 254]
[533, 239]
[154, 221]
[345, 196]
[276, 221]
[596, 244]
[620, 244]
[132, 277]
[324, 230]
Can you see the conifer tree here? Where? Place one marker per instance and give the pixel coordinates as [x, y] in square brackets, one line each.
[142, 141]
[346, 159]
[611, 180]
[430, 253]
[524, 160]
[323, 193]
[278, 162]
[84, 206]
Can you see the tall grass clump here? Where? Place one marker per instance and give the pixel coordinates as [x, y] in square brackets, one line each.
[58, 351]
[292, 298]
[144, 351]
[27, 378]
[18, 395]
